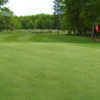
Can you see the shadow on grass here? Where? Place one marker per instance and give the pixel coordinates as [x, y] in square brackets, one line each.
[45, 38]
[61, 38]
[79, 40]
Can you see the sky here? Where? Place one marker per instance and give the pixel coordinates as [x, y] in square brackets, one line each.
[30, 7]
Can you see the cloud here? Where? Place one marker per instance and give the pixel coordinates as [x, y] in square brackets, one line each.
[30, 7]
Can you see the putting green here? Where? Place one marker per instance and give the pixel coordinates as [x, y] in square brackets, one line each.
[49, 71]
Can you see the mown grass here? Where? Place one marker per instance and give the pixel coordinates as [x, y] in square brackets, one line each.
[40, 37]
[48, 67]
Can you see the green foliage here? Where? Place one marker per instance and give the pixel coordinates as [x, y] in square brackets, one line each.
[75, 16]
[2, 2]
[41, 21]
[7, 20]
[79, 15]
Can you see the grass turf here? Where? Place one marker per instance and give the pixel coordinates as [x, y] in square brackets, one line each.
[53, 68]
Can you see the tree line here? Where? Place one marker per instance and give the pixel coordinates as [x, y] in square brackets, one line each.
[78, 16]
[40, 21]
[11, 22]
[8, 21]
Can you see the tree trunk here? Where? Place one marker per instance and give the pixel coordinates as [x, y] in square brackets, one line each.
[93, 33]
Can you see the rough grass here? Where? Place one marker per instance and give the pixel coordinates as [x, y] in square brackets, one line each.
[48, 67]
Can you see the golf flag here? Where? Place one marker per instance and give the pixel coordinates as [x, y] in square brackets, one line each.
[97, 28]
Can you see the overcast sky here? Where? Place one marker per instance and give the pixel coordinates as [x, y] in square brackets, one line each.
[30, 7]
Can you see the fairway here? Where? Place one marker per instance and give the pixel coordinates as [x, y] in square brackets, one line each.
[49, 71]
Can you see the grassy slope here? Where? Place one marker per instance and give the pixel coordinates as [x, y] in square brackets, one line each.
[65, 68]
